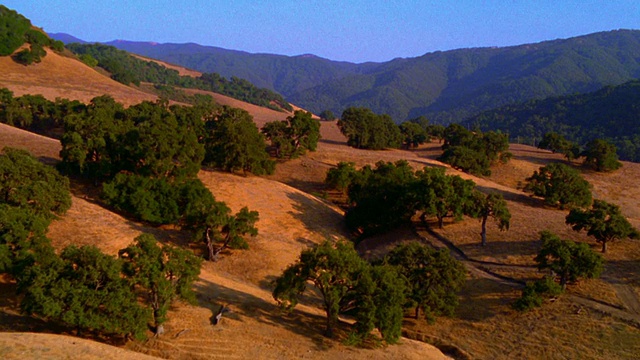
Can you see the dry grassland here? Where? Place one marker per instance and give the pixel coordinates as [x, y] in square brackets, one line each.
[64, 77]
[291, 219]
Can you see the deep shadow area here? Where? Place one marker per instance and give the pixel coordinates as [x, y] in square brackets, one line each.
[333, 142]
[481, 299]
[309, 187]
[503, 249]
[301, 204]
[520, 198]
[212, 296]
[48, 160]
[626, 272]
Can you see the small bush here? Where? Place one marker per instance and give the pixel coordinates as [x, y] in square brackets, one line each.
[533, 294]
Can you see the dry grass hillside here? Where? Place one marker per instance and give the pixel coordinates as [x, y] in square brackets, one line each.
[597, 319]
[290, 221]
[64, 77]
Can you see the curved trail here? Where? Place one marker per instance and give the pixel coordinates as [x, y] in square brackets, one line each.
[630, 315]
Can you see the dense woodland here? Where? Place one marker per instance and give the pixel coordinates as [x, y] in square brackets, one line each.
[611, 113]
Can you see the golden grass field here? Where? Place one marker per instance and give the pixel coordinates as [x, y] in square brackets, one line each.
[594, 321]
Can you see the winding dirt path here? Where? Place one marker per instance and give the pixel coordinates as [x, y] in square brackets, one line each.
[630, 314]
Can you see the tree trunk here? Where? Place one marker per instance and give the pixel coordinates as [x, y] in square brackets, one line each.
[210, 247]
[604, 246]
[564, 278]
[329, 330]
[417, 311]
[440, 222]
[484, 231]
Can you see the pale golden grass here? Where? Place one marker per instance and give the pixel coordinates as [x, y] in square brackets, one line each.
[21, 346]
[64, 77]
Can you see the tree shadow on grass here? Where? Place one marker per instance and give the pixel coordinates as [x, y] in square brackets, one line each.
[502, 249]
[524, 199]
[48, 160]
[481, 299]
[622, 272]
[310, 219]
[211, 295]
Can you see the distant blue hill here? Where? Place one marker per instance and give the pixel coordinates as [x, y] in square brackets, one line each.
[66, 38]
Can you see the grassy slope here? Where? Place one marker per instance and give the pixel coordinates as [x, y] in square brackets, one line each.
[290, 220]
[59, 76]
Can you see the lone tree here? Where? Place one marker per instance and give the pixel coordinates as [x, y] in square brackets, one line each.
[163, 273]
[568, 260]
[342, 176]
[373, 295]
[560, 185]
[558, 144]
[491, 205]
[604, 221]
[413, 134]
[212, 222]
[294, 136]
[442, 195]
[381, 198]
[366, 130]
[233, 142]
[433, 278]
[601, 155]
[333, 269]
[327, 115]
[473, 151]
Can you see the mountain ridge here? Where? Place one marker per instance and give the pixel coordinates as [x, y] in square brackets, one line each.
[446, 86]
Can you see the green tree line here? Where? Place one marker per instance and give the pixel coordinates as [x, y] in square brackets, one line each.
[128, 69]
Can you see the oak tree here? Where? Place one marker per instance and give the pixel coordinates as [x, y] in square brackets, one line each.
[604, 221]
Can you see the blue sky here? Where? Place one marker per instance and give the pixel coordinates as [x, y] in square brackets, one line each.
[356, 31]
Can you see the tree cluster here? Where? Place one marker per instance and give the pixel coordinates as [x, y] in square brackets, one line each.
[599, 155]
[473, 151]
[292, 137]
[383, 197]
[374, 294]
[35, 113]
[567, 261]
[560, 185]
[149, 155]
[366, 130]
[81, 288]
[233, 142]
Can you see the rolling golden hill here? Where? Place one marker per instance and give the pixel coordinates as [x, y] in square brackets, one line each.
[292, 219]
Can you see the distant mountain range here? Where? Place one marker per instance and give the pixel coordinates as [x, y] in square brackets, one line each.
[445, 86]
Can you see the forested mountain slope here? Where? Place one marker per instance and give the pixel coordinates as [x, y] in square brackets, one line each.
[612, 113]
[444, 86]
